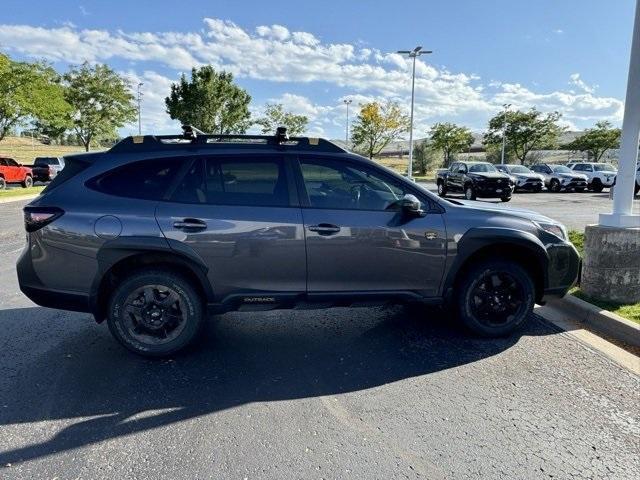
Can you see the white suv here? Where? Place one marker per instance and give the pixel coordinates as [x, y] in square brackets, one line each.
[600, 175]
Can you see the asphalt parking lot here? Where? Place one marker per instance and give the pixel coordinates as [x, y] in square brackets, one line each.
[575, 210]
[337, 393]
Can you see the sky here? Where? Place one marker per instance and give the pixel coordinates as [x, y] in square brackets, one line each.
[566, 55]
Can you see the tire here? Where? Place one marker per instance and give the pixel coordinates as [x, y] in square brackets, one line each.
[3, 184]
[554, 185]
[635, 190]
[505, 199]
[28, 182]
[502, 317]
[538, 189]
[469, 192]
[442, 189]
[597, 186]
[155, 313]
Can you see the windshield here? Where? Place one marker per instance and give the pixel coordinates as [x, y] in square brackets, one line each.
[520, 169]
[604, 167]
[482, 167]
[561, 169]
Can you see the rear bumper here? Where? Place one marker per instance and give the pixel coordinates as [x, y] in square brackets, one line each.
[33, 288]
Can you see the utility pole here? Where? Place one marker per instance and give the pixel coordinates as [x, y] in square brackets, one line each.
[416, 52]
[347, 102]
[504, 130]
[139, 116]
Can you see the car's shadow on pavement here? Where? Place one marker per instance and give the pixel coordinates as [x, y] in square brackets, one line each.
[241, 358]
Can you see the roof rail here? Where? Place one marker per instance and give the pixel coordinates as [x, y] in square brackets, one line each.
[194, 138]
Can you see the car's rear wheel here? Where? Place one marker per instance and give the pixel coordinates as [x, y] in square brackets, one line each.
[469, 192]
[3, 184]
[155, 313]
[495, 298]
[442, 190]
[555, 186]
[28, 182]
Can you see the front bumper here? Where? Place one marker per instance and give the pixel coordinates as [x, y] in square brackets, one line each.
[562, 271]
[489, 191]
[574, 184]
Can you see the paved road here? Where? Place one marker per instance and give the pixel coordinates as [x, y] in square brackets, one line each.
[575, 210]
[337, 393]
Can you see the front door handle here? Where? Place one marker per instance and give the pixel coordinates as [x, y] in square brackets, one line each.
[190, 224]
[325, 229]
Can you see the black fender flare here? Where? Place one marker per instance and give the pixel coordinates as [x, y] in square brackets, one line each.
[114, 251]
[478, 238]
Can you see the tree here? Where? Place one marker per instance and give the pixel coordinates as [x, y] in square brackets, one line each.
[425, 157]
[450, 139]
[275, 116]
[376, 126]
[101, 102]
[596, 141]
[29, 92]
[210, 101]
[525, 131]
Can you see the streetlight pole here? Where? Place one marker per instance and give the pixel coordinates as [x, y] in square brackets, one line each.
[139, 116]
[504, 130]
[347, 102]
[416, 52]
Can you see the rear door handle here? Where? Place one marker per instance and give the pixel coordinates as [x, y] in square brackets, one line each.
[325, 229]
[190, 224]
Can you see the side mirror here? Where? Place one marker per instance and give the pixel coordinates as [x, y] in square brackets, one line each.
[411, 205]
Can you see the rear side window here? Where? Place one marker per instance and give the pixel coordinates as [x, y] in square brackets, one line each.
[72, 168]
[146, 179]
[235, 181]
[43, 162]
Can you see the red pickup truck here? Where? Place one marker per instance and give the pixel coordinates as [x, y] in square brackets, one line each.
[12, 172]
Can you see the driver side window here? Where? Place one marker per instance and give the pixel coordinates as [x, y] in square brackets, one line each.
[338, 185]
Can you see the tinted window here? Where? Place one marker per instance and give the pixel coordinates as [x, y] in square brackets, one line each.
[604, 167]
[3, 162]
[520, 169]
[561, 169]
[235, 181]
[11, 162]
[45, 162]
[147, 179]
[581, 167]
[482, 167]
[72, 168]
[338, 185]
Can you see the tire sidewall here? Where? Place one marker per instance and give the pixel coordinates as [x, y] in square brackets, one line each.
[28, 181]
[188, 297]
[442, 191]
[3, 183]
[471, 195]
[473, 276]
[555, 186]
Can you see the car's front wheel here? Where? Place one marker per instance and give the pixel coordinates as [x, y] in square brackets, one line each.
[555, 186]
[597, 185]
[469, 192]
[155, 313]
[495, 298]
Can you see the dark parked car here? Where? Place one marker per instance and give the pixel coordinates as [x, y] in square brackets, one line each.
[522, 177]
[474, 180]
[559, 178]
[45, 169]
[160, 230]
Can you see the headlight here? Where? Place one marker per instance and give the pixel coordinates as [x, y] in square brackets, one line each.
[556, 229]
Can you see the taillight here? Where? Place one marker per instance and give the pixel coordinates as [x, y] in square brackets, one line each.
[37, 217]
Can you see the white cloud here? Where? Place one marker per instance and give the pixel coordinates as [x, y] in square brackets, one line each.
[273, 53]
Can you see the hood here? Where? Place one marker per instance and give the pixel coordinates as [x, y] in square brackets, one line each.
[498, 175]
[526, 175]
[572, 175]
[514, 212]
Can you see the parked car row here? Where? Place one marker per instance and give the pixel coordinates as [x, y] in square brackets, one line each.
[44, 169]
[485, 180]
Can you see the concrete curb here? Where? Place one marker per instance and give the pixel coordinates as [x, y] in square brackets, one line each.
[18, 198]
[601, 321]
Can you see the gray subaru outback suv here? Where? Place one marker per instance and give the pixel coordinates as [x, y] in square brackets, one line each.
[159, 231]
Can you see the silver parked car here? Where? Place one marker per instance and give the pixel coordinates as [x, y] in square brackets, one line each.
[522, 177]
[599, 175]
[559, 178]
